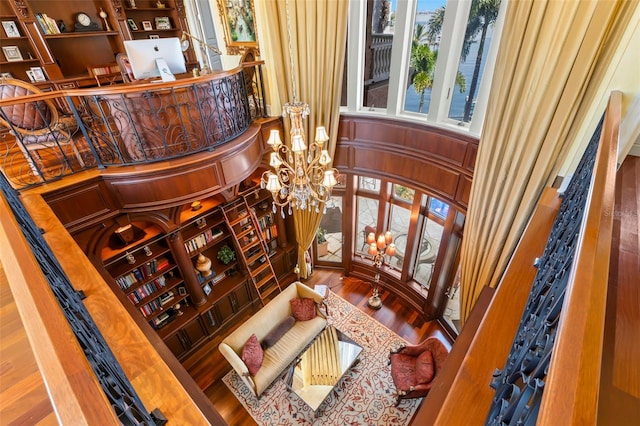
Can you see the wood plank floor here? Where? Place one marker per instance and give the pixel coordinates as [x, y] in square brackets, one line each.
[23, 396]
[211, 366]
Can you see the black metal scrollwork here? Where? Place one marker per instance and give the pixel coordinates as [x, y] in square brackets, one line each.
[520, 384]
[123, 398]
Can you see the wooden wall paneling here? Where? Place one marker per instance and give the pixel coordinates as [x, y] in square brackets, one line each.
[463, 192]
[82, 204]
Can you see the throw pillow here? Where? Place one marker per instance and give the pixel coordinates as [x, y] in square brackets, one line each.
[278, 331]
[303, 308]
[252, 354]
[424, 367]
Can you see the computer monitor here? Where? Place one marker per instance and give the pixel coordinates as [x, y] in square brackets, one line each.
[160, 57]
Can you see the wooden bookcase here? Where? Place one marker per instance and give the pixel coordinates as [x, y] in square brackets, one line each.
[65, 55]
[185, 307]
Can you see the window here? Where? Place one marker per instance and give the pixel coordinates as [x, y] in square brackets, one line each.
[367, 219]
[429, 60]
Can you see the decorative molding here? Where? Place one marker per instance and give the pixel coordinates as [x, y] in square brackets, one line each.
[22, 8]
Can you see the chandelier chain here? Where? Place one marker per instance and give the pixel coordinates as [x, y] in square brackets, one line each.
[293, 76]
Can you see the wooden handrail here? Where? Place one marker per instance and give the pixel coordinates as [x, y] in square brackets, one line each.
[571, 391]
[75, 393]
[571, 388]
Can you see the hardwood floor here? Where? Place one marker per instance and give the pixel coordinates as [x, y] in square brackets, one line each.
[208, 366]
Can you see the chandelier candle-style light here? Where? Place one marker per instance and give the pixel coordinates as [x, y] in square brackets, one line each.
[300, 178]
[379, 248]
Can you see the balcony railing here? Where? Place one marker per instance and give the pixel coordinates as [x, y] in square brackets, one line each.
[71, 131]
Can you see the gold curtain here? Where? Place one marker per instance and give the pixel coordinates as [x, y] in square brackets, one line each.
[318, 31]
[547, 62]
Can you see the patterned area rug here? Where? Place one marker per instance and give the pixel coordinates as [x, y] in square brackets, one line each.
[364, 396]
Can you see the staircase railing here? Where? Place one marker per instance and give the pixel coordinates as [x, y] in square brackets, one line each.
[547, 369]
[132, 124]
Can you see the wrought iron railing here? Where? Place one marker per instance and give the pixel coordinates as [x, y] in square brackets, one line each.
[521, 382]
[120, 393]
[76, 130]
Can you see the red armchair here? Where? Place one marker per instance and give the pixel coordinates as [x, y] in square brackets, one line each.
[414, 367]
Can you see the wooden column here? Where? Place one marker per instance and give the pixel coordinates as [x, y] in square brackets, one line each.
[176, 244]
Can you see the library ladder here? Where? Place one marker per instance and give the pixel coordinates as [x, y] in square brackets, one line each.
[253, 248]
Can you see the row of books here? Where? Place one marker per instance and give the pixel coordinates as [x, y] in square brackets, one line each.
[270, 232]
[142, 273]
[47, 25]
[202, 240]
[161, 320]
[147, 290]
[151, 307]
[107, 69]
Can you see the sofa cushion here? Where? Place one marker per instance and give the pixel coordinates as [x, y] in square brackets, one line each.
[277, 332]
[252, 354]
[424, 367]
[303, 308]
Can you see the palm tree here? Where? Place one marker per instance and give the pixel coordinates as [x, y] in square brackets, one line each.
[482, 16]
[423, 61]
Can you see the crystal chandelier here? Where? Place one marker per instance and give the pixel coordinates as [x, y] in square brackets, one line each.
[301, 178]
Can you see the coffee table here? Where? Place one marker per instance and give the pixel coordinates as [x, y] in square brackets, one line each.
[318, 369]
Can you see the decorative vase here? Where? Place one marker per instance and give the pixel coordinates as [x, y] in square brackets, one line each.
[203, 265]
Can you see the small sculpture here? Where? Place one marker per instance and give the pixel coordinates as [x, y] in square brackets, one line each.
[203, 265]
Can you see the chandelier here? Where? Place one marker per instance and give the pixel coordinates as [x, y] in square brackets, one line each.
[301, 178]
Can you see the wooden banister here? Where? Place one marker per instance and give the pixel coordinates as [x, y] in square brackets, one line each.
[461, 394]
[571, 391]
[75, 393]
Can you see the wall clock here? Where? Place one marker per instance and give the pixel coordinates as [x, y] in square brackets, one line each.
[84, 23]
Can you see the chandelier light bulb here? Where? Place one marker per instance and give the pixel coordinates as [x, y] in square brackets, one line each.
[273, 184]
[391, 250]
[371, 238]
[329, 180]
[275, 160]
[297, 144]
[274, 139]
[321, 135]
[388, 237]
[324, 158]
[381, 242]
[373, 249]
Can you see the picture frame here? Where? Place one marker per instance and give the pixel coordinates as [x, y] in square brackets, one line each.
[182, 291]
[11, 29]
[238, 21]
[163, 23]
[32, 78]
[132, 24]
[207, 289]
[146, 25]
[154, 36]
[38, 74]
[5, 75]
[12, 53]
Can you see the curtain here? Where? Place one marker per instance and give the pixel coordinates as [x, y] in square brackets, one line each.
[545, 70]
[307, 53]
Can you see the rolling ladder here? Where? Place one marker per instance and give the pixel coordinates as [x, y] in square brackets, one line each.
[254, 252]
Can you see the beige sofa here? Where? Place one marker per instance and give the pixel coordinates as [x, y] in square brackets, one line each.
[278, 357]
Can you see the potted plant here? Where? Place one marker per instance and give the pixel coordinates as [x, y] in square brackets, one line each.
[321, 242]
[226, 255]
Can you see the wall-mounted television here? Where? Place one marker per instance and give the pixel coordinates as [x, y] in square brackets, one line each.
[160, 57]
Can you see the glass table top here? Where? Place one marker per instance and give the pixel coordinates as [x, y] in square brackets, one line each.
[318, 369]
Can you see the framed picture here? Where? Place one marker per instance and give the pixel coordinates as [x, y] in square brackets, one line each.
[163, 23]
[238, 20]
[12, 53]
[182, 291]
[11, 29]
[146, 25]
[38, 74]
[132, 24]
[207, 289]
[31, 76]
[4, 75]
[154, 36]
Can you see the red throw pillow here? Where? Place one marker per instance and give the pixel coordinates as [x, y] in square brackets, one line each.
[303, 308]
[252, 354]
[424, 368]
